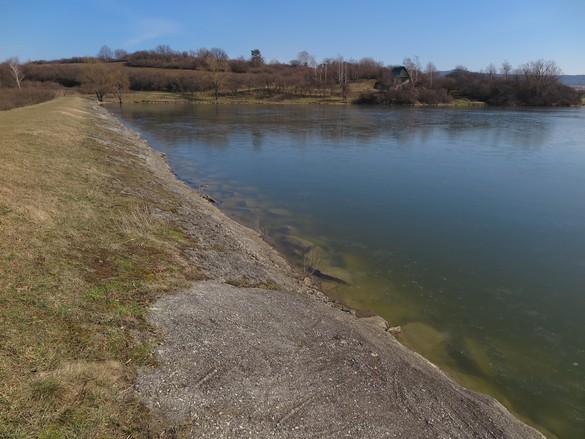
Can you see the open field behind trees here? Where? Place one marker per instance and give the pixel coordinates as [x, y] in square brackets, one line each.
[210, 75]
[82, 253]
[272, 84]
[244, 96]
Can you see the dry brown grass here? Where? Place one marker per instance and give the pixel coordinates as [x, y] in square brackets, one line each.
[14, 97]
[83, 250]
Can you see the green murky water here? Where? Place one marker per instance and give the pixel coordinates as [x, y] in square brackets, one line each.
[465, 227]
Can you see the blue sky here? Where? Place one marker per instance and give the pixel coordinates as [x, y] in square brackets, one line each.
[450, 32]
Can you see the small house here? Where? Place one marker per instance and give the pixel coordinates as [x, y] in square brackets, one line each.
[400, 74]
[398, 77]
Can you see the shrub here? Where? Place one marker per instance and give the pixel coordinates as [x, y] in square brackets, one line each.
[27, 95]
[433, 96]
[67, 75]
[239, 66]
[368, 99]
[525, 88]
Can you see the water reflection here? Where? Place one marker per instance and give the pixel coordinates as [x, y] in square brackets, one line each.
[302, 123]
[467, 227]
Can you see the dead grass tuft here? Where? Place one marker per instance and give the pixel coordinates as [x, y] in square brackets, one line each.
[44, 389]
[138, 220]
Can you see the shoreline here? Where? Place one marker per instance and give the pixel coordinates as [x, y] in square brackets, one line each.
[134, 306]
[159, 97]
[311, 288]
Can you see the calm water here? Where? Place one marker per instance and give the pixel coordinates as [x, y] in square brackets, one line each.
[465, 227]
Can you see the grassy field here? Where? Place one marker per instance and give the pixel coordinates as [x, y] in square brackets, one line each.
[82, 253]
[242, 97]
[196, 85]
[255, 96]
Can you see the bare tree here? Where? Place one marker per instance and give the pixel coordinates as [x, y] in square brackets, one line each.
[16, 71]
[340, 64]
[306, 59]
[217, 60]
[342, 76]
[368, 68]
[344, 89]
[105, 54]
[202, 52]
[323, 69]
[540, 73]
[219, 54]
[491, 71]
[119, 83]
[430, 70]
[120, 54]
[414, 69]
[164, 49]
[97, 79]
[506, 69]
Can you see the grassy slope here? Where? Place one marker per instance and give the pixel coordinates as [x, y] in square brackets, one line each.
[81, 255]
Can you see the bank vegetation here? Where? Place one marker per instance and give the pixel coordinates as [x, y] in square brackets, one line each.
[210, 74]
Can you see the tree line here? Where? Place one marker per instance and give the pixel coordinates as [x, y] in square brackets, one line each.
[112, 72]
[300, 76]
[535, 83]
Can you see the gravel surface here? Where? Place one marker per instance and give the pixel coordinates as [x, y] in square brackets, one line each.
[253, 363]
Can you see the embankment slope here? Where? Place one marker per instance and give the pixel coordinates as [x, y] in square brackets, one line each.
[96, 230]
